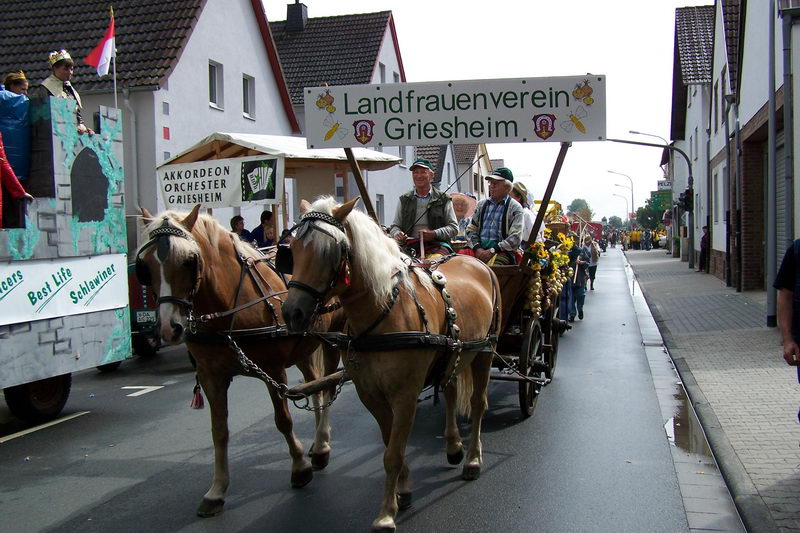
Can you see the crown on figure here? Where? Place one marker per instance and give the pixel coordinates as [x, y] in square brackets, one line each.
[58, 55]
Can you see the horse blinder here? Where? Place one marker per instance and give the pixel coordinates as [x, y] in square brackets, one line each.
[284, 262]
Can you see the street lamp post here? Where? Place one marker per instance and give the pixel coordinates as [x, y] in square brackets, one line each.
[691, 185]
[649, 135]
[626, 206]
[631, 180]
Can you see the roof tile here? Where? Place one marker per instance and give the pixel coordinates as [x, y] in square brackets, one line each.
[694, 36]
[149, 36]
[340, 50]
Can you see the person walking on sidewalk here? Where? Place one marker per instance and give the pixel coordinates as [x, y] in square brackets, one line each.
[591, 249]
[789, 304]
[579, 260]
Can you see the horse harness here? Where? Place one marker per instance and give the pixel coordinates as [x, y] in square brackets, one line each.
[449, 342]
[197, 331]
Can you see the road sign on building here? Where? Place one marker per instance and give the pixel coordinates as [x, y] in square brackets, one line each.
[661, 199]
[665, 185]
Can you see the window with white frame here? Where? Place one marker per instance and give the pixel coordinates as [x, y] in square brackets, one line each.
[382, 70]
[396, 77]
[696, 142]
[402, 154]
[379, 207]
[216, 95]
[716, 197]
[248, 96]
[716, 107]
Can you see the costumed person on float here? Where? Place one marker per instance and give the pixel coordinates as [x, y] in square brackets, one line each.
[58, 84]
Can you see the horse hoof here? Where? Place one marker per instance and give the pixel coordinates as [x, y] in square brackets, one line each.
[403, 500]
[320, 460]
[383, 528]
[209, 508]
[456, 458]
[303, 477]
[471, 472]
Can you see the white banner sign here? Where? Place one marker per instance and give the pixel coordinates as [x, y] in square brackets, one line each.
[34, 290]
[664, 185]
[560, 109]
[222, 182]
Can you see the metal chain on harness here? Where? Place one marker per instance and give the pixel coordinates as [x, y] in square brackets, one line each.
[282, 388]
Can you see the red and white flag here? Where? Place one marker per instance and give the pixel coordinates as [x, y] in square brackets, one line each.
[101, 56]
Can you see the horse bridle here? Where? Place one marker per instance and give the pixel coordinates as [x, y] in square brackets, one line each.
[284, 262]
[159, 237]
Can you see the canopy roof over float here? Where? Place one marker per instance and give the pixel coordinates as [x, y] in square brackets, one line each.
[221, 145]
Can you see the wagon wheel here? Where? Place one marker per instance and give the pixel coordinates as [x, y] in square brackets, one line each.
[552, 332]
[530, 351]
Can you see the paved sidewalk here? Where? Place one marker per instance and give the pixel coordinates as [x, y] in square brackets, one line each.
[745, 395]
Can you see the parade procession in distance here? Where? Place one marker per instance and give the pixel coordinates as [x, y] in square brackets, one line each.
[399, 265]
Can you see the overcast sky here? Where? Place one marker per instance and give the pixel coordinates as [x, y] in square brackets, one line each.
[631, 42]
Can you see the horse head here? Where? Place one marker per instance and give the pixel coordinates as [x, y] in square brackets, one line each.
[320, 261]
[170, 263]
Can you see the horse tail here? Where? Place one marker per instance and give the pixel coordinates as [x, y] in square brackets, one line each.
[464, 391]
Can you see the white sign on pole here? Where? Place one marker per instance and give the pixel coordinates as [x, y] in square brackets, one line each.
[665, 185]
[34, 290]
[558, 109]
[222, 182]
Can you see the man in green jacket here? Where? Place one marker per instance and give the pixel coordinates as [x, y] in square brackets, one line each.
[424, 214]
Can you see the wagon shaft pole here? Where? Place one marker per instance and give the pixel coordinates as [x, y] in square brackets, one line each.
[312, 387]
[362, 188]
[548, 193]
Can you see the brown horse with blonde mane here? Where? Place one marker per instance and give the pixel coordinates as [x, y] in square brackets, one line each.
[202, 273]
[341, 252]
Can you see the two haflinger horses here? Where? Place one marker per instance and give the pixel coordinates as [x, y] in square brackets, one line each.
[407, 325]
[220, 296]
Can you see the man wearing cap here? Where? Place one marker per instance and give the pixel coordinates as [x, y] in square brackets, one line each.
[496, 228]
[424, 212]
[58, 84]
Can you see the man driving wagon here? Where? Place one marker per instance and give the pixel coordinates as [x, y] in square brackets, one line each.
[425, 220]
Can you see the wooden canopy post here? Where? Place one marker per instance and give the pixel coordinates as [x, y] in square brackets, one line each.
[548, 193]
[362, 188]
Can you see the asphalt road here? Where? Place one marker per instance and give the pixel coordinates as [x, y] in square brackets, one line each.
[594, 456]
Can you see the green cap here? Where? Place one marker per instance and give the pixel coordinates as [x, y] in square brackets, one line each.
[501, 173]
[422, 162]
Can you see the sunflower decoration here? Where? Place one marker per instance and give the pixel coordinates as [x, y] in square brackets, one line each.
[547, 233]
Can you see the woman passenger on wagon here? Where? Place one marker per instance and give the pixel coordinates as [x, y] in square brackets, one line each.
[9, 181]
[14, 124]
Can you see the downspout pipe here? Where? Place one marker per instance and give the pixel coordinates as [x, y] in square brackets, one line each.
[739, 181]
[727, 175]
[788, 128]
[772, 319]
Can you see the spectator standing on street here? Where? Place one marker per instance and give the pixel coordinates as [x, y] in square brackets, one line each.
[258, 233]
[237, 227]
[789, 304]
[701, 262]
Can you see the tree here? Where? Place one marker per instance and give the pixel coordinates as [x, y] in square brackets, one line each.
[576, 205]
[648, 217]
[580, 207]
[615, 222]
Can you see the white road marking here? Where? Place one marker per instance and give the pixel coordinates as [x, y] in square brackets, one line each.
[144, 390]
[43, 426]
